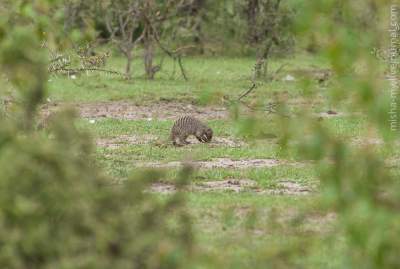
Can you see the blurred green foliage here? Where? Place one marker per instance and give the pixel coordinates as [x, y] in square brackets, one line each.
[357, 182]
[57, 209]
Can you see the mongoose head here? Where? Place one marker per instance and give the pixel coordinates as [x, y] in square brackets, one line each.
[207, 135]
[204, 134]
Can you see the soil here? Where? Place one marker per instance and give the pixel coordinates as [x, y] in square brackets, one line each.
[233, 185]
[221, 141]
[219, 163]
[119, 141]
[284, 187]
[367, 141]
[290, 187]
[123, 140]
[131, 111]
[162, 111]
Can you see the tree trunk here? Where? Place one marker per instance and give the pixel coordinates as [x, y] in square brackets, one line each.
[148, 56]
[197, 17]
[258, 67]
[198, 39]
[252, 13]
[129, 58]
[261, 66]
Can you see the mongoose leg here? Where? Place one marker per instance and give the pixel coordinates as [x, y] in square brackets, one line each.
[175, 141]
[182, 139]
[177, 144]
[200, 138]
[206, 139]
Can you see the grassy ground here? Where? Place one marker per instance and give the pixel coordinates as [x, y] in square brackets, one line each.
[224, 219]
[209, 80]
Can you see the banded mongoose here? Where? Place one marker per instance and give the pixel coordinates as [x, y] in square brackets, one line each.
[188, 125]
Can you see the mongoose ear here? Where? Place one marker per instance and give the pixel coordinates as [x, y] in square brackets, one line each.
[209, 134]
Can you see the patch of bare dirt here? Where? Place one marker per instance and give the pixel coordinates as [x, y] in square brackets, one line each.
[233, 185]
[116, 142]
[228, 163]
[285, 187]
[290, 187]
[219, 163]
[131, 111]
[220, 141]
[122, 140]
[164, 110]
[165, 188]
[321, 223]
[367, 141]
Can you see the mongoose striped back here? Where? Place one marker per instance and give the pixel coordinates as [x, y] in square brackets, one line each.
[188, 125]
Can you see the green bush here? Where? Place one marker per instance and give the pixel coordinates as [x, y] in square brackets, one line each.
[57, 209]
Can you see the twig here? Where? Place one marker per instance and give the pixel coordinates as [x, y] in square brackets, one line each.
[173, 70]
[278, 70]
[78, 70]
[181, 67]
[270, 108]
[247, 92]
[174, 55]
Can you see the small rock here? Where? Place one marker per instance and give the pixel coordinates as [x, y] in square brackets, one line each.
[289, 78]
[331, 112]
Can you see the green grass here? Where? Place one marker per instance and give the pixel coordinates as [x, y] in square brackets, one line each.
[209, 80]
[221, 219]
[239, 229]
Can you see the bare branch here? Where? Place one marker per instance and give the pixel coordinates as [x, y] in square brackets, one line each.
[253, 86]
[80, 70]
